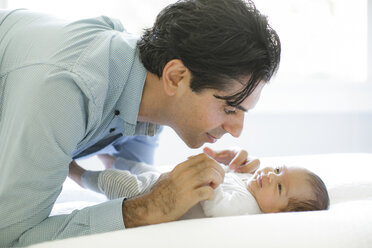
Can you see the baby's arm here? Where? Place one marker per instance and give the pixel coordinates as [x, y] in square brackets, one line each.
[116, 183]
[134, 179]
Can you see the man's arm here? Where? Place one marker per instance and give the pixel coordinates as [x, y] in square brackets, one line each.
[175, 192]
[41, 124]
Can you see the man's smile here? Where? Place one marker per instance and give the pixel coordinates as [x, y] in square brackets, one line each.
[211, 139]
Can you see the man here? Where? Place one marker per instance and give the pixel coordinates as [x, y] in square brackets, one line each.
[71, 89]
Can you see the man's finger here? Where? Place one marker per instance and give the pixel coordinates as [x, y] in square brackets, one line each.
[205, 173]
[198, 172]
[209, 152]
[204, 193]
[191, 161]
[212, 177]
[199, 161]
[224, 156]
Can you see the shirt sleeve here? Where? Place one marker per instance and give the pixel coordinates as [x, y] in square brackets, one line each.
[137, 148]
[42, 121]
[100, 218]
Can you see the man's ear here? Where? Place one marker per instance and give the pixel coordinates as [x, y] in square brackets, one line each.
[176, 76]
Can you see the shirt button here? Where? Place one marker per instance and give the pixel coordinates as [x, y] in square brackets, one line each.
[117, 112]
[112, 130]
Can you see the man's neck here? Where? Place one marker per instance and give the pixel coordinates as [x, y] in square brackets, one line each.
[153, 106]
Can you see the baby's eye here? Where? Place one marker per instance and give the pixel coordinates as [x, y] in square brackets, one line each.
[277, 170]
[280, 188]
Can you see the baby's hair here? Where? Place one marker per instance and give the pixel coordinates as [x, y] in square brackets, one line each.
[321, 201]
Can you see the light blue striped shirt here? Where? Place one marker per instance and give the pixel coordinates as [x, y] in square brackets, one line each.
[67, 90]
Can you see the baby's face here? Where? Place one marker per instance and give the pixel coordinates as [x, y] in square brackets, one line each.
[272, 187]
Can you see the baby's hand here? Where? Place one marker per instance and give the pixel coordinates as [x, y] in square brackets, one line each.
[236, 159]
[250, 166]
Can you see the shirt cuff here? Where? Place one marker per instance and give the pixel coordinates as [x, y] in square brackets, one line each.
[107, 216]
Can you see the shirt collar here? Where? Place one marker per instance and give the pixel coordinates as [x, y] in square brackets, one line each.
[130, 99]
[146, 128]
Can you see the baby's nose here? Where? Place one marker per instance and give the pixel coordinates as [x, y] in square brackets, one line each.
[271, 176]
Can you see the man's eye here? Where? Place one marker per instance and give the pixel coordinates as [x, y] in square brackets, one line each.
[280, 188]
[230, 111]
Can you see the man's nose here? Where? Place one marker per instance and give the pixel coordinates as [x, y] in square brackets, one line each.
[234, 126]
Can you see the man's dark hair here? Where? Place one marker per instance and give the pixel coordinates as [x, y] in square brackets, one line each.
[218, 41]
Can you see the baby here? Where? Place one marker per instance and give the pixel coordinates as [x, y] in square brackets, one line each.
[268, 190]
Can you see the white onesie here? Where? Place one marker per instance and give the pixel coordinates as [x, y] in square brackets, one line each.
[231, 197]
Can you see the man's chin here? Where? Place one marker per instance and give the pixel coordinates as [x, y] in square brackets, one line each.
[193, 143]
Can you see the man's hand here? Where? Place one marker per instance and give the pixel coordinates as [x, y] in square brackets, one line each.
[236, 159]
[175, 192]
[75, 172]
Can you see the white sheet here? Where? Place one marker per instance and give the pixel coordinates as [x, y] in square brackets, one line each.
[348, 223]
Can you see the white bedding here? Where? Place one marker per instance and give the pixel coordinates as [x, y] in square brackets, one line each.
[348, 222]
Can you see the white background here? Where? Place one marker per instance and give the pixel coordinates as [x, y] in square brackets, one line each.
[320, 101]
